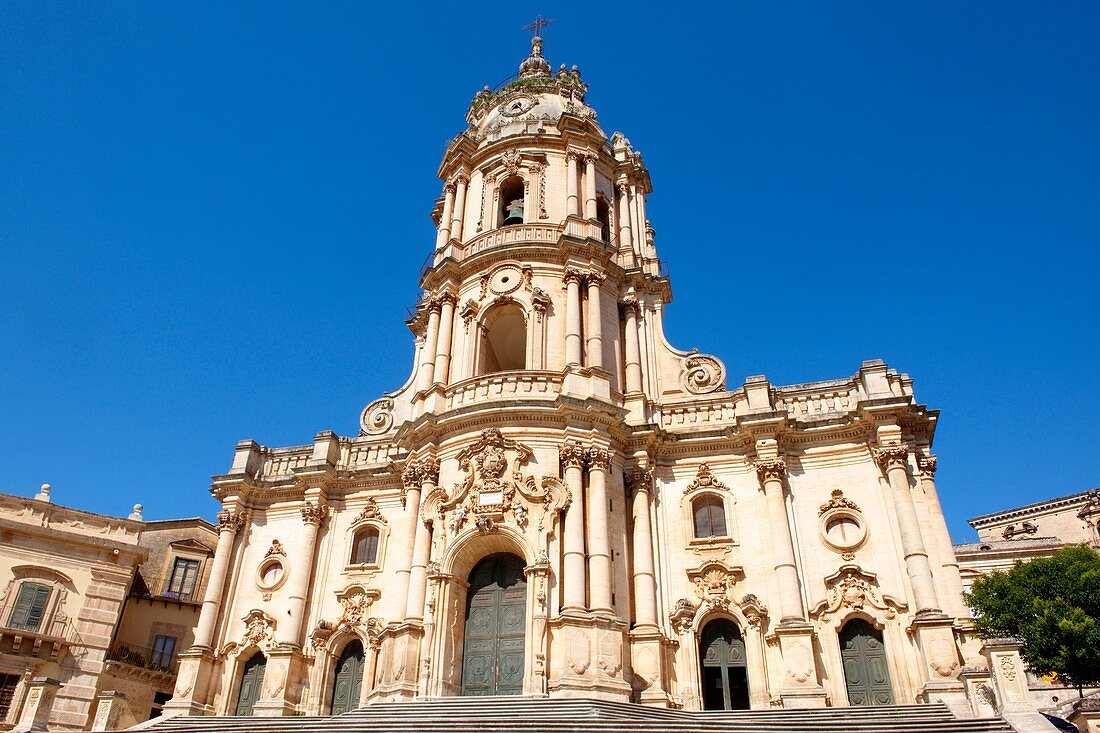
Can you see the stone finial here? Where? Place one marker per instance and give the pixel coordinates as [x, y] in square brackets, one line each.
[43, 494]
[136, 514]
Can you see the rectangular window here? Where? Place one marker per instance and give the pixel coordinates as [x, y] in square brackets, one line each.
[164, 647]
[185, 573]
[30, 606]
[7, 692]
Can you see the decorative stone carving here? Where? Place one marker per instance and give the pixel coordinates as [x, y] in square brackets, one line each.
[512, 158]
[639, 480]
[370, 512]
[892, 456]
[927, 465]
[314, 513]
[753, 610]
[231, 521]
[714, 582]
[356, 602]
[377, 417]
[1008, 668]
[485, 524]
[259, 629]
[854, 589]
[682, 616]
[572, 454]
[276, 550]
[540, 301]
[489, 484]
[598, 458]
[572, 275]
[703, 374]
[630, 303]
[838, 501]
[770, 469]
[705, 481]
[1024, 529]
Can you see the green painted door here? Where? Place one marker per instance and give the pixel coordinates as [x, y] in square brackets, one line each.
[725, 670]
[865, 670]
[251, 682]
[349, 679]
[496, 616]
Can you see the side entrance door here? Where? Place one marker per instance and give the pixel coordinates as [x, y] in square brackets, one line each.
[349, 679]
[251, 682]
[865, 670]
[496, 619]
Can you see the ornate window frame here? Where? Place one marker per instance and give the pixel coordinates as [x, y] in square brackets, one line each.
[370, 517]
[60, 585]
[706, 483]
[839, 507]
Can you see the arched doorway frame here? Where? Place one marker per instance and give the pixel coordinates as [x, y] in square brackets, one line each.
[756, 665]
[241, 657]
[902, 672]
[325, 668]
[468, 548]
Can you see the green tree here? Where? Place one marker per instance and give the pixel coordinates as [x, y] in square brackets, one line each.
[1053, 606]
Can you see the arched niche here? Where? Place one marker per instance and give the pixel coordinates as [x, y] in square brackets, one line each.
[502, 339]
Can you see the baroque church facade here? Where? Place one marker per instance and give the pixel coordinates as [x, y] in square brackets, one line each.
[559, 502]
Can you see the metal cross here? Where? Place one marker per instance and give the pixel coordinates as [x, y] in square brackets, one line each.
[538, 25]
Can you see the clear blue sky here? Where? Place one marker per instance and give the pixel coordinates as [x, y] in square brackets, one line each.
[212, 215]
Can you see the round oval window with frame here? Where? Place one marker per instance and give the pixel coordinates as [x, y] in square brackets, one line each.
[843, 530]
[271, 574]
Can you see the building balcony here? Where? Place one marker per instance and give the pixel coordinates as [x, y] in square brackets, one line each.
[45, 639]
[523, 385]
[143, 664]
[155, 588]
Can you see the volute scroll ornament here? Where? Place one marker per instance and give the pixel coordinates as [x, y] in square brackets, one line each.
[377, 417]
[703, 374]
[838, 502]
[714, 583]
[370, 512]
[853, 589]
[705, 481]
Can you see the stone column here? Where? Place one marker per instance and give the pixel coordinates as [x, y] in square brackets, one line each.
[771, 471]
[645, 581]
[894, 459]
[460, 206]
[572, 207]
[633, 348]
[626, 241]
[289, 628]
[38, 704]
[951, 578]
[230, 521]
[571, 456]
[446, 335]
[572, 317]
[599, 539]
[428, 471]
[403, 567]
[444, 233]
[426, 375]
[590, 187]
[595, 320]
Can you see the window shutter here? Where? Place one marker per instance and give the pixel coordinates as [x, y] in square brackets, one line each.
[29, 606]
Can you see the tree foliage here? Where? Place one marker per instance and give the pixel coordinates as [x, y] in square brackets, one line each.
[1053, 606]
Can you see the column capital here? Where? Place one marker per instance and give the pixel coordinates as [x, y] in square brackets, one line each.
[892, 456]
[428, 470]
[314, 513]
[449, 187]
[595, 279]
[572, 455]
[599, 458]
[639, 481]
[630, 304]
[927, 466]
[410, 477]
[573, 155]
[623, 187]
[232, 521]
[572, 274]
[590, 158]
[445, 296]
[770, 469]
[462, 179]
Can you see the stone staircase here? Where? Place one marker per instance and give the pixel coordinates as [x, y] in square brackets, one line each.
[557, 715]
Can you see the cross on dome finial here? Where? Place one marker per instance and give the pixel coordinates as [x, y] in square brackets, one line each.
[538, 25]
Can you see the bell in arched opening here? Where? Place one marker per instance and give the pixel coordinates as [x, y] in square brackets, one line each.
[511, 201]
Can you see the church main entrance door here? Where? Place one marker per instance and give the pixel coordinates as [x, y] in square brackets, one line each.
[725, 671]
[348, 683]
[251, 681]
[865, 670]
[496, 617]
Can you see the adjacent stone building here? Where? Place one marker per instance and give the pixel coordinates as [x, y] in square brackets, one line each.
[559, 502]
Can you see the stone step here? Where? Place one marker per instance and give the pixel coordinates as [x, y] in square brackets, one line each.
[554, 715]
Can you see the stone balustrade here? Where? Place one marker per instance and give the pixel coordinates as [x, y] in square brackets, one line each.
[526, 233]
[527, 384]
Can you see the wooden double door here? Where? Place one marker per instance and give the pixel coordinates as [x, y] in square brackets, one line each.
[724, 667]
[252, 680]
[496, 620]
[347, 684]
[866, 672]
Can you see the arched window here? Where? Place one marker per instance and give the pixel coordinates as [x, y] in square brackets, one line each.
[511, 201]
[503, 340]
[365, 546]
[603, 214]
[709, 515]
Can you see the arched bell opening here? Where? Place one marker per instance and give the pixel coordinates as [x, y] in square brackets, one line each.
[503, 339]
[496, 627]
[724, 672]
[603, 215]
[252, 680]
[511, 201]
[347, 684]
[866, 670]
